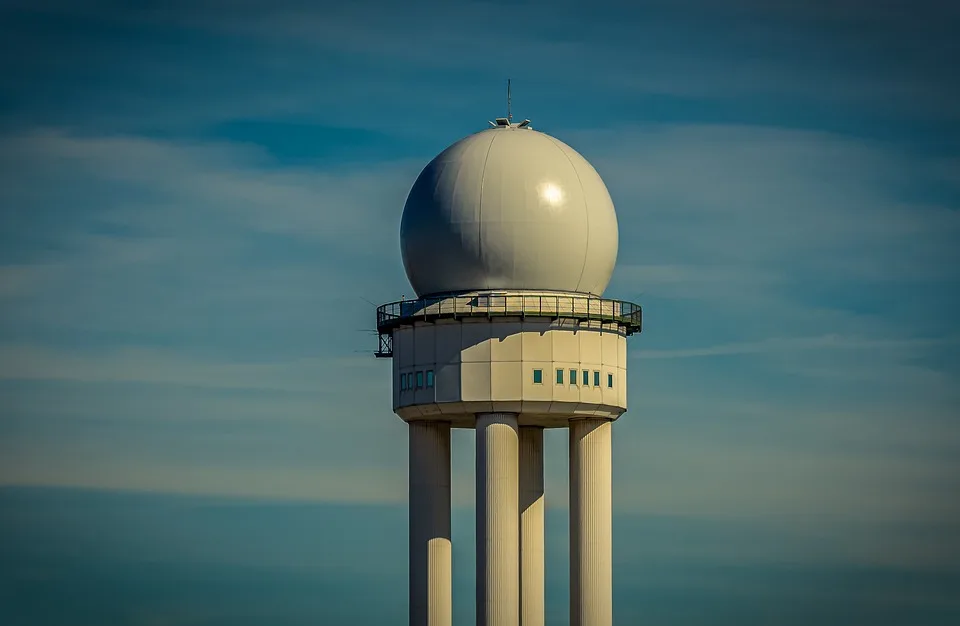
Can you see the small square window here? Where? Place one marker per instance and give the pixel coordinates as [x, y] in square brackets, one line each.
[419, 380]
[586, 378]
[573, 377]
[596, 379]
[429, 378]
[560, 376]
[538, 377]
[610, 380]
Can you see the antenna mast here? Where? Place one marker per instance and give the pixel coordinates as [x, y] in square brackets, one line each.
[509, 114]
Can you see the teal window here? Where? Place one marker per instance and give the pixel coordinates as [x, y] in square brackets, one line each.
[419, 380]
[573, 377]
[596, 379]
[538, 377]
[560, 376]
[429, 378]
[586, 378]
[403, 382]
[610, 380]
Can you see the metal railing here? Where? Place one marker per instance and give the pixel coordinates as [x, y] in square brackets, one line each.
[581, 308]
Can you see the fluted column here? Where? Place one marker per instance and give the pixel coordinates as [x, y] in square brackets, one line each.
[531, 526]
[498, 520]
[431, 602]
[591, 523]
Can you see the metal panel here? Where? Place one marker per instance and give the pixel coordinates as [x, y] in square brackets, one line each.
[537, 343]
[589, 347]
[475, 382]
[448, 382]
[507, 342]
[424, 346]
[506, 380]
[403, 346]
[475, 339]
[448, 342]
[538, 391]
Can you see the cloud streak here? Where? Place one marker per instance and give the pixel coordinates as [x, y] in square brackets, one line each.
[792, 344]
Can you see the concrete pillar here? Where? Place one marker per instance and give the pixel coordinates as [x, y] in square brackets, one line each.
[498, 520]
[591, 523]
[531, 526]
[431, 601]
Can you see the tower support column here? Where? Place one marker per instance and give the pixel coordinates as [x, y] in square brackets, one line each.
[431, 601]
[531, 526]
[498, 520]
[591, 523]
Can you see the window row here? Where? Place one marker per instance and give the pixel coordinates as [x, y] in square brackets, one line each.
[584, 378]
[424, 379]
[416, 380]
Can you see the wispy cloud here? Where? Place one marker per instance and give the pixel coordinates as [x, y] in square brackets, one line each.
[169, 367]
[157, 237]
[791, 344]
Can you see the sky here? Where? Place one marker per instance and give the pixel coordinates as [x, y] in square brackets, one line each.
[199, 210]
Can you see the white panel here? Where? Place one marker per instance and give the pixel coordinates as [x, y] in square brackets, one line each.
[448, 383]
[566, 392]
[506, 381]
[591, 394]
[425, 394]
[395, 366]
[566, 345]
[622, 352]
[475, 381]
[609, 349]
[475, 342]
[537, 345]
[532, 390]
[448, 343]
[403, 346]
[610, 395]
[622, 380]
[589, 347]
[424, 346]
[507, 342]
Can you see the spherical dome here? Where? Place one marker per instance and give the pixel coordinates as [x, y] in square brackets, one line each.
[509, 208]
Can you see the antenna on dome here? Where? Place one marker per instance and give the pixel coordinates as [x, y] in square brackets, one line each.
[509, 114]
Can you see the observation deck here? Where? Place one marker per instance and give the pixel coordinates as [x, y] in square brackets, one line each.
[577, 307]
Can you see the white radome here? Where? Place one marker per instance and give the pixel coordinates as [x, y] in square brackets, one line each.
[509, 208]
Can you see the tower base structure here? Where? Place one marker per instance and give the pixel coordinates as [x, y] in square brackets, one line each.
[531, 527]
[591, 523]
[498, 520]
[509, 365]
[431, 550]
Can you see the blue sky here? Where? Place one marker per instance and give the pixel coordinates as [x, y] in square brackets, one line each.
[198, 200]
